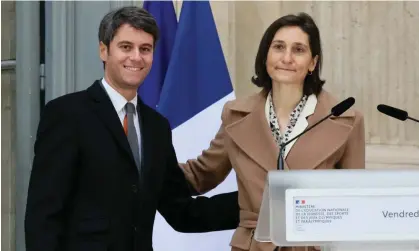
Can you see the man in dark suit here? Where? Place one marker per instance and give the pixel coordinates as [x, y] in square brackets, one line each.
[104, 161]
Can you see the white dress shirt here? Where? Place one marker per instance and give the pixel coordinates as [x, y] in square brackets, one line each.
[119, 103]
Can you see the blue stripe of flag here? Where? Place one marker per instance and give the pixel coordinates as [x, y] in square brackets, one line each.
[165, 15]
[197, 75]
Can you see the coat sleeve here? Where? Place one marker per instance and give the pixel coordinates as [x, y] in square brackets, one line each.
[212, 167]
[185, 213]
[51, 178]
[354, 154]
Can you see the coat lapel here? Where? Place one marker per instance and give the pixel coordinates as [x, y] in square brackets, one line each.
[102, 106]
[253, 136]
[252, 133]
[302, 122]
[315, 146]
[149, 138]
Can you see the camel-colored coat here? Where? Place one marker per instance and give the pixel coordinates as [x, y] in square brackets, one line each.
[245, 143]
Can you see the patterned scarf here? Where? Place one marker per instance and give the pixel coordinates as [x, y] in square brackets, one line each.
[274, 124]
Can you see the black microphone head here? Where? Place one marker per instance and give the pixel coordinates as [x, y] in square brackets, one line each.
[340, 108]
[392, 112]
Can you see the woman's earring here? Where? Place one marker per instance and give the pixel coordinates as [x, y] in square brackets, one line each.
[310, 73]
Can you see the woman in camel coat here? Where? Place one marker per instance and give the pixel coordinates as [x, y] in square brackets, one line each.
[287, 67]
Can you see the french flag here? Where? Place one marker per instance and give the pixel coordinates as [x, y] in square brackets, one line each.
[165, 15]
[196, 87]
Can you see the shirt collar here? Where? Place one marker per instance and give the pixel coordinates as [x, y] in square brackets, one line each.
[117, 99]
[308, 109]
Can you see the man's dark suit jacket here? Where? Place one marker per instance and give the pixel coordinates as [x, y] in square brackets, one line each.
[85, 193]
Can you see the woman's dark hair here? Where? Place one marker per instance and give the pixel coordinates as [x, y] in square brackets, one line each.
[312, 83]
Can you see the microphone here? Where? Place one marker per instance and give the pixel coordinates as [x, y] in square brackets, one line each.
[394, 112]
[336, 111]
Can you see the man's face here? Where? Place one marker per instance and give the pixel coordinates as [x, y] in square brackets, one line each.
[128, 58]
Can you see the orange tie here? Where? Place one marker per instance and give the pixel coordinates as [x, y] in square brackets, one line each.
[126, 124]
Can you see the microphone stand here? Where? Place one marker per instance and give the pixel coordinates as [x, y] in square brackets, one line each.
[280, 164]
[413, 119]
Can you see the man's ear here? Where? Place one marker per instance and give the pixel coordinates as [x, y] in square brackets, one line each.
[103, 52]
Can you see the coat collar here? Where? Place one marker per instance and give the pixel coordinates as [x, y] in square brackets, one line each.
[325, 100]
[252, 134]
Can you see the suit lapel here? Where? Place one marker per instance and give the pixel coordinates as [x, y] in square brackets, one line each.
[314, 147]
[103, 108]
[252, 133]
[147, 136]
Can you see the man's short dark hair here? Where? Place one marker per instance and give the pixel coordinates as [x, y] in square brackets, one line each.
[134, 16]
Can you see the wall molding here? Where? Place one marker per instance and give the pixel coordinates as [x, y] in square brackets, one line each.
[59, 49]
[392, 156]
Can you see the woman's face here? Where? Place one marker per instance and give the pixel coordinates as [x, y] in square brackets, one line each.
[289, 57]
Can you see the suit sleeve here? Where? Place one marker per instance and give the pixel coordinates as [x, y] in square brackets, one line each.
[210, 168]
[354, 155]
[193, 215]
[51, 179]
